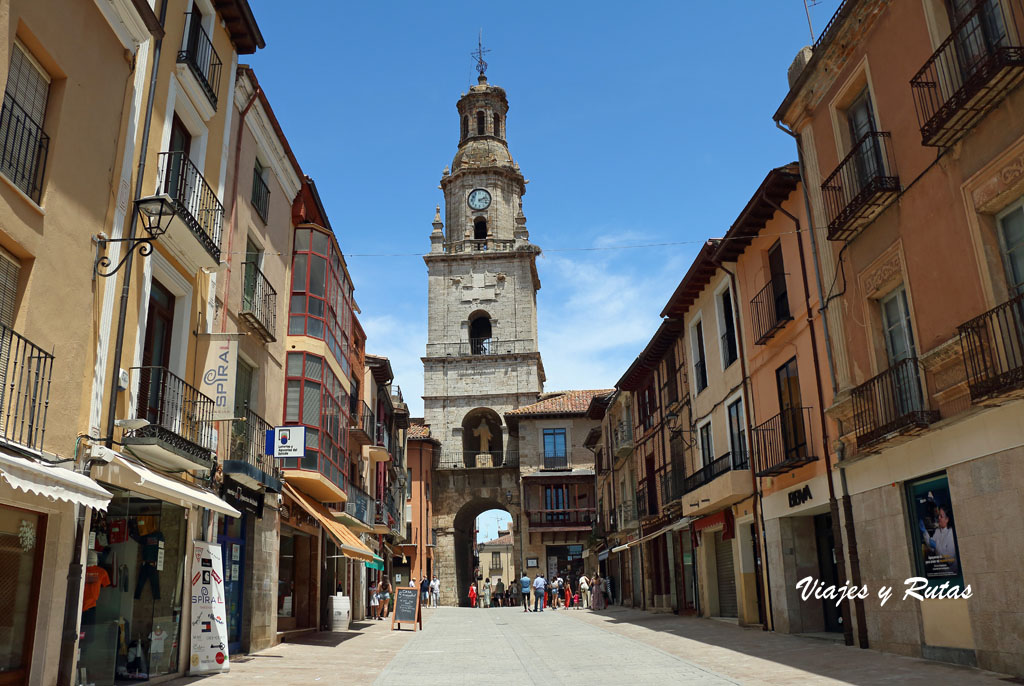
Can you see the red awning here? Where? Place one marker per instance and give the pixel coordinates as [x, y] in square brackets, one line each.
[724, 518]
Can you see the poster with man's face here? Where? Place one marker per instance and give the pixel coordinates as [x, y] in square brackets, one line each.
[933, 528]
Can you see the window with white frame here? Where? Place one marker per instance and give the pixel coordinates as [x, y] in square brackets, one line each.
[700, 368]
[727, 327]
[1011, 244]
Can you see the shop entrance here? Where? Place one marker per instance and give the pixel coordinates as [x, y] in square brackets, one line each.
[231, 536]
[726, 570]
[828, 572]
[565, 561]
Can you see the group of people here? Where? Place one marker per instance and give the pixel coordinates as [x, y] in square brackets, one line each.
[563, 592]
[491, 595]
[380, 595]
[430, 591]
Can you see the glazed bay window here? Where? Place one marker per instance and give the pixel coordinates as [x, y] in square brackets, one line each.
[555, 455]
[315, 398]
[23, 144]
[321, 301]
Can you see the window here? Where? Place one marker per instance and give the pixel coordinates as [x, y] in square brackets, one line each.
[408, 484]
[777, 274]
[648, 405]
[316, 399]
[10, 269]
[737, 434]
[465, 126]
[899, 338]
[700, 370]
[479, 123]
[707, 452]
[480, 229]
[480, 335]
[321, 300]
[555, 499]
[794, 433]
[1011, 238]
[554, 448]
[495, 560]
[867, 149]
[728, 328]
[497, 125]
[671, 388]
[23, 145]
[260, 191]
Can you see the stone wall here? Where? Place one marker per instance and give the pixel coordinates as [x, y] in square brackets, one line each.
[262, 593]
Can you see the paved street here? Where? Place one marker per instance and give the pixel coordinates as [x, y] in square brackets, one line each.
[506, 646]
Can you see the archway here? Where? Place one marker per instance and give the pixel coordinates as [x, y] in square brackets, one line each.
[482, 438]
[467, 568]
[480, 333]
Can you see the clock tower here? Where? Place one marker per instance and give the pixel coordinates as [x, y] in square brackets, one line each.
[482, 358]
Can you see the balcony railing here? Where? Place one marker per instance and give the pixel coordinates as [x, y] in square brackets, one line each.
[360, 505]
[891, 402]
[259, 301]
[970, 73]
[396, 393]
[25, 372]
[556, 461]
[249, 444]
[671, 484]
[23, 149]
[194, 201]
[622, 437]
[481, 245]
[476, 459]
[179, 414]
[711, 471]
[260, 196]
[362, 424]
[863, 185]
[993, 347]
[781, 444]
[626, 513]
[647, 498]
[583, 518]
[201, 58]
[769, 309]
[480, 346]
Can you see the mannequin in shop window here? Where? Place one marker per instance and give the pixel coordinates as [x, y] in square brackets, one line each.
[95, 578]
[157, 640]
[151, 541]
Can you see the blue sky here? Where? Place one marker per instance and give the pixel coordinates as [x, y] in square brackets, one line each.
[636, 123]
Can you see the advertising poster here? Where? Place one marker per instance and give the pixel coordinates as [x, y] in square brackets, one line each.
[933, 524]
[209, 652]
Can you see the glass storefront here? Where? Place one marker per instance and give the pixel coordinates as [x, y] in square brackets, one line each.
[286, 574]
[231, 536]
[21, 544]
[133, 594]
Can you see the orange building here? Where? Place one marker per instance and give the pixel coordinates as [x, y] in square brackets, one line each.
[418, 547]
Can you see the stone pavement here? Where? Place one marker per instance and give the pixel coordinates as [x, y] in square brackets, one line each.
[507, 646]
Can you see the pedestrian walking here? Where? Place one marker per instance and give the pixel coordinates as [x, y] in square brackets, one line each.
[486, 599]
[472, 594]
[374, 600]
[385, 598]
[435, 591]
[568, 594]
[584, 591]
[499, 592]
[538, 593]
[524, 588]
[597, 593]
[425, 591]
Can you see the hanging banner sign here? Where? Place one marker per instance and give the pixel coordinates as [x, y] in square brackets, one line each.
[218, 380]
[209, 653]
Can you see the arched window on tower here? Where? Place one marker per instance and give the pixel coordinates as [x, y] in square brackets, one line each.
[479, 123]
[480, 229]
[497, 125]
[480, 334]
[465, 126]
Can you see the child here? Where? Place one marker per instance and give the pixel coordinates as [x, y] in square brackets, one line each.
[576, 600]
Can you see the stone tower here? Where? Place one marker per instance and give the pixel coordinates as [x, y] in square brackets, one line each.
[482, 357]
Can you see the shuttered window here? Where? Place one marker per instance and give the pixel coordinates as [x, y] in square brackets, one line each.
[23, 145]
[10, 268]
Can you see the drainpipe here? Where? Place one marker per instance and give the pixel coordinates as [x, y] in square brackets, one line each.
[851, 531]
[763, 580]
[76, 571]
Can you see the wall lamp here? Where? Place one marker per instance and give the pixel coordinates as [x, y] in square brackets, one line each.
[155, 213]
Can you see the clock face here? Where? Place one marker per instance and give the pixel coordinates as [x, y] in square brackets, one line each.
[479, 199]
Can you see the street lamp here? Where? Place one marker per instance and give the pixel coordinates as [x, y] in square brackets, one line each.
[156, 212]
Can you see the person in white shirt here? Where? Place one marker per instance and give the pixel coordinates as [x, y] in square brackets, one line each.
[584, 592]
[538, 593]
[435, 591]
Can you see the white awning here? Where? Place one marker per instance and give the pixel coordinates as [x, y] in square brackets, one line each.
[133, 475]
[53, 482]
[675, 526]
[620, 548]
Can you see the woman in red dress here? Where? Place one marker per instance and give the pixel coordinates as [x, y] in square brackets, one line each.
[472, 595]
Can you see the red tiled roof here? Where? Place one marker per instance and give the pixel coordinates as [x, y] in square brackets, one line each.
[559, 402]
[418, 431]
[500, 540]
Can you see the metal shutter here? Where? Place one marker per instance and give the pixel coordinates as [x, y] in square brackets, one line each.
[726, 577]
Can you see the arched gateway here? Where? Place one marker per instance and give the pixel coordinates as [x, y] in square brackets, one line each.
[482, 358]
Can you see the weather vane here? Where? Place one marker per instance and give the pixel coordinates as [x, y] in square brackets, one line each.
[478, 54]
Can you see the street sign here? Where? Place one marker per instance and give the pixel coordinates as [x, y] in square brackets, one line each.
[289, 441]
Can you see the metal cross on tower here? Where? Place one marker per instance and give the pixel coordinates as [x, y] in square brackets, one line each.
[478, 54]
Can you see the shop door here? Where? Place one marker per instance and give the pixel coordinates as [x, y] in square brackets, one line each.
[827, 570]
[726, 577]
[232, 542]
[22, 536]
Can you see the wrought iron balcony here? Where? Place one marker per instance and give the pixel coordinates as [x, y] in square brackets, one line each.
[863, 185]
[580, 518]
[475, 459]
[195, 203]
[626, 513]
[248, 460]
[201, 58]
[360, 506]
[671, 484]
[889, 403]
[971, 72]
[647, 498]
[362, 425]
[781, 444]
[711, 471]
[23, 149]
[993, 347]
[260, 196]
[480, 346]
[25, 373]
[769, 309]
[259, 302]
[180, 420]
[556, 461]
[622, 438]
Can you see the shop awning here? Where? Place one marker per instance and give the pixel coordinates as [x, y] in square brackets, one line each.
[620, 548]
[348, 543]
[603, 555]
[376, 563]
[674, 526]
[128, 473]
[53, 482]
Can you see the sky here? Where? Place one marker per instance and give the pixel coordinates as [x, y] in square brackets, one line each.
[636, 124]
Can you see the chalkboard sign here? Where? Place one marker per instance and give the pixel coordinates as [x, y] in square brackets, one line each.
[407, 608]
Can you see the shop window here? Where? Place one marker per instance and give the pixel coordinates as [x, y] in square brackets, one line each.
[933, 527]
[133, 590]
